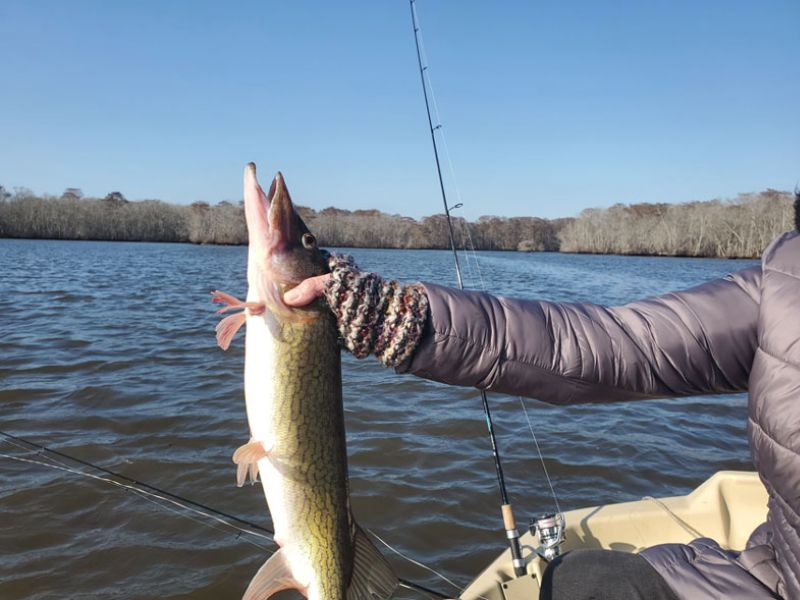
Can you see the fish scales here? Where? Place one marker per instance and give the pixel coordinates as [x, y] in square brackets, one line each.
[309, 454]
[293, 393]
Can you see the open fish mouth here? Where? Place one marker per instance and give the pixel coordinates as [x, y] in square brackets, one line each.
[282, 252]
[270, 217]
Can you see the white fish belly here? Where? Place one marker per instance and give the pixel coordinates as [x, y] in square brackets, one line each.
[259, 390]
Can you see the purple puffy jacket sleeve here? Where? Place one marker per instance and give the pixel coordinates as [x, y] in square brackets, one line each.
[697, 341]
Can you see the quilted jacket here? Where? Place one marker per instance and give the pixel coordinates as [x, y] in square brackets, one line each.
[738, 333]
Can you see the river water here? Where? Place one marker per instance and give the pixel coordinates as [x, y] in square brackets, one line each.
[107, 353]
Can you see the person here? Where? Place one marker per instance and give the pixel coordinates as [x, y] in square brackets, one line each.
[737, 333]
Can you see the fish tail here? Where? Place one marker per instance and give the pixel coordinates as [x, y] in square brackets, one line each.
[372, 578]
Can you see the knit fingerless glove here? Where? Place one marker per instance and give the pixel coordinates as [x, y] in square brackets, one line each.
[375, 316]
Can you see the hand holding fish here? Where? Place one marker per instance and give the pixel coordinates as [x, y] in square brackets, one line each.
[373, 315]
[307, 291]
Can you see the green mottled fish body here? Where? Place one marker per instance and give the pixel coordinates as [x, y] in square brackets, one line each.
[293, 393]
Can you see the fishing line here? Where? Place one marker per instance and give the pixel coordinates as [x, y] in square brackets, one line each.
[39, 453]
[427, 86]
[146, 496]
[136, 482]
[142, 493]
[509, 523]
[419, 564]
[411, 560]
[466, 235]
[163, 499]
[539, 451]
[422, 69]
[686, 527]
[439, 128]
[469, 250]
[472, 251]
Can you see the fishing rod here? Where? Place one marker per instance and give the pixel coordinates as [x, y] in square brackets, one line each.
[135, 482]
[512, 534]
[143, 487]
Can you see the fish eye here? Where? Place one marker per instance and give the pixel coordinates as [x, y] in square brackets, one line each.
[309, 241]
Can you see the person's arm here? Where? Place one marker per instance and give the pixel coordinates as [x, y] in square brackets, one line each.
[697, 341]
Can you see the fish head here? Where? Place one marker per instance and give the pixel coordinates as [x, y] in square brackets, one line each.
[282, 251]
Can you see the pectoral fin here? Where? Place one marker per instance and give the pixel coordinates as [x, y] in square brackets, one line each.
[372, 577]
[274, 576]
[228, 327]
[232, 302]
[246, 458]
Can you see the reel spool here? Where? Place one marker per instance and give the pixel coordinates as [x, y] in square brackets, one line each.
[549, 530]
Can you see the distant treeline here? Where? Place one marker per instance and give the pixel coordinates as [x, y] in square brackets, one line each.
[73, 217]
[738, 228]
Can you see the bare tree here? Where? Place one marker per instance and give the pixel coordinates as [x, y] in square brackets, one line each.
[737, 228]
[741, 227]
[72, 193]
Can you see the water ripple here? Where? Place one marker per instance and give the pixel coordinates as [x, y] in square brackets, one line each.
[112, 359]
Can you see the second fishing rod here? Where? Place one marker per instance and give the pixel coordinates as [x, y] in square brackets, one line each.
[509, 522]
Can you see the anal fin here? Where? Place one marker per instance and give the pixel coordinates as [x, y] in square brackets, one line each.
[273, 576]
[246, 458]
[372, 578]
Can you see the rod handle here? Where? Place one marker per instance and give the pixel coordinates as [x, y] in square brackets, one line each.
[508, 517]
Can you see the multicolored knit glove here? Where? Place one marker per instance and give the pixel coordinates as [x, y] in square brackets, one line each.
[375, 316]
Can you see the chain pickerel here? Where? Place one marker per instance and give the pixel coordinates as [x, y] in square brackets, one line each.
[293, 394]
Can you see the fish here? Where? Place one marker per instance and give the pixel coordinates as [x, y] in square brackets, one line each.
[293, 397]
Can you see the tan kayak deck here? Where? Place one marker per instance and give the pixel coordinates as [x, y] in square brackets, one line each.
[726, 507]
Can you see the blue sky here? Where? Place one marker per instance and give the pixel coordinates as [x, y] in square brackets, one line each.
[548, 108]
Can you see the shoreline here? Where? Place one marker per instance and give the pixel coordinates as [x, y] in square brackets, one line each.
[368, 247]
[739, 228]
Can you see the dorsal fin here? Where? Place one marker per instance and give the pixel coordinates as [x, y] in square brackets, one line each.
[373, 578]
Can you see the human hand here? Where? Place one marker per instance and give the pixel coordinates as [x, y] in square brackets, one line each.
[373, 315]
[307, 291]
